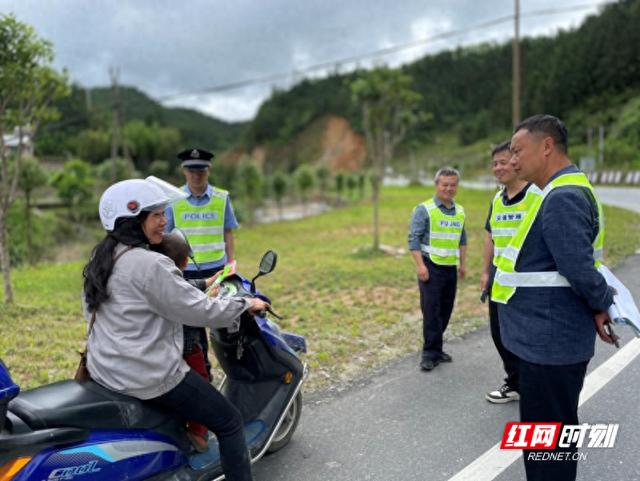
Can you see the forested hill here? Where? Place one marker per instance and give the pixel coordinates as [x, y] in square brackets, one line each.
[584, 75]
[92, 111]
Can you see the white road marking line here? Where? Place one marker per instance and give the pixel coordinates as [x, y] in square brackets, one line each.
[494, 461]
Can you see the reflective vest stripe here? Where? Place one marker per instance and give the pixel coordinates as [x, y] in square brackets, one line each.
[504, 232]
[440, 251]
[510, 253]
[532, 279]
[212, 246]
[203, 230]
[445, 235]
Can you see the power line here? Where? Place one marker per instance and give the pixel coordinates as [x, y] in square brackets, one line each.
[380, 52]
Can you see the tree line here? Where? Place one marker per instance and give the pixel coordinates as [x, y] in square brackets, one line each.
[38, 222]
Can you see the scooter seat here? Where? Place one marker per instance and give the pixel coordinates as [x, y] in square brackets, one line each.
[84, 405]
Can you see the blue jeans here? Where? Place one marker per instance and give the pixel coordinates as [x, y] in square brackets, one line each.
[195, 399]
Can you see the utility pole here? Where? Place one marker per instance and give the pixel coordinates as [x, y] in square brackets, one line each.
[515, 58]
[115, 130]
[601, 145]
[87, 98]
[117, 125]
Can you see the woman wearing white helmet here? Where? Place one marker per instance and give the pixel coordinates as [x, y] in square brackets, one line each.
[138, 302]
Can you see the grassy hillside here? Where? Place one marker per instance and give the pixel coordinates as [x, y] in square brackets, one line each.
[356, 310]
[196, 128]
[93, 110]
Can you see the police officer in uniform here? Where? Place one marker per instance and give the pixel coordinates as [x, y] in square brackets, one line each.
[552, 299]
[206, 217]
[437, 242]
[506, 211]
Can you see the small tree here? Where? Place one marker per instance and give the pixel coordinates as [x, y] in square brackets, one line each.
[340, 181]
[251, 187]
[74, 185]
[304, 182]
[222, 175]
[387, 101]
[28, 85]
[32, 177]
[160, 168]
[92, 145]
[124, 170]
[352, 183]
[361, 184]
[149, 142]
[279, 186]
[323, 174]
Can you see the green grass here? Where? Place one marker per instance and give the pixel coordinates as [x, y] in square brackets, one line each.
[356, 308]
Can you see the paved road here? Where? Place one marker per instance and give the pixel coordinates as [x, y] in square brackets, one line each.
[627, 197]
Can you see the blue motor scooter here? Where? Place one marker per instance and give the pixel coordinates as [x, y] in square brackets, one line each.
[68, 430]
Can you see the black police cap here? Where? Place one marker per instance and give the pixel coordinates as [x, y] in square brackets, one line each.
[195, 158]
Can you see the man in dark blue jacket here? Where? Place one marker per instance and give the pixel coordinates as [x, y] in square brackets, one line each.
[552, 329]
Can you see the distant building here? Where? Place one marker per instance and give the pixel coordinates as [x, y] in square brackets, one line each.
[12, 142]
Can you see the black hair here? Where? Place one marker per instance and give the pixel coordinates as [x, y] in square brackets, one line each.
[548, 125]
[501, 147]
[174, 247]
[96, 273]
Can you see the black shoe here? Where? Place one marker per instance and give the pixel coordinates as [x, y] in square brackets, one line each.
[429, 364]
[444, 357]
[503, 395]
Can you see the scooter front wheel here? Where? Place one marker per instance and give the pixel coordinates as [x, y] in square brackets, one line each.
[288, 426]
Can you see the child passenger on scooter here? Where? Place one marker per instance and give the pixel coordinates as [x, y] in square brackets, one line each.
[175, 248]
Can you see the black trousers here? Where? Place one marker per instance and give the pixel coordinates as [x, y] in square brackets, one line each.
[195, 399]
[436, 302]
[509, 360]
[550, 394]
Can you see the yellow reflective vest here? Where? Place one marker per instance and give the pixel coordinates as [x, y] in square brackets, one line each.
[507, 280]
[505, 219]
[204, 225]
[445, 232]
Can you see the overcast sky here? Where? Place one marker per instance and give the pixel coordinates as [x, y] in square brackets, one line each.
[165, 47]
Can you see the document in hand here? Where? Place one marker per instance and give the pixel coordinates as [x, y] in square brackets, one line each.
[624, 309]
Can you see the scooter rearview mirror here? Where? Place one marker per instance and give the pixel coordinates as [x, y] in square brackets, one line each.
[267, 265]
[268, 262]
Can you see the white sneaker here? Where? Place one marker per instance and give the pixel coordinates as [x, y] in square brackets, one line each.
[503, 395]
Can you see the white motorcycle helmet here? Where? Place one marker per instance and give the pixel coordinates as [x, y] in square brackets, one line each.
[130, 197]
